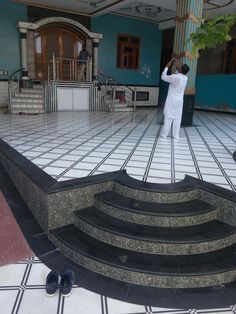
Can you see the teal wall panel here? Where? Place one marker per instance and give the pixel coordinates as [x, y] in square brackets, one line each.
[216, 91]
[10, 14]
[110, 25]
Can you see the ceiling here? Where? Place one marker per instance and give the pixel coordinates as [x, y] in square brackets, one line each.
[152, 10]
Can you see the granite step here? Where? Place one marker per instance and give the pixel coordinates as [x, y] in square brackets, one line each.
[145, 269]
[213, 235]
[37, 91]
[29, 95]
[187, 213]
[182, 191]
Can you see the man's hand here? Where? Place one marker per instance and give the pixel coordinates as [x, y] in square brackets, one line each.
[169, 64]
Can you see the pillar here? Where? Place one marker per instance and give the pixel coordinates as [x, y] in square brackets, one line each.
[95, 58]
[23, 32]
[188, 13]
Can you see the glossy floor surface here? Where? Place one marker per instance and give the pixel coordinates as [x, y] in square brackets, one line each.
[69, 145]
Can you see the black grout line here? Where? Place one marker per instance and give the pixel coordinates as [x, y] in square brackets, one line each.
[218, 163]
[59, 303]
[172, 159]
[106, 305]
[138, 142]
[145, 176]
[17, 302]
[92, 150]
[59, 145]
[222, 144]
[193, 155]
[114, 149]
[216, 160]
[102, 305]
[227, 125]
[89, 152]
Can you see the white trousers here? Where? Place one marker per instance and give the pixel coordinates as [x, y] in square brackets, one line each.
[175, 126]
[81, 72]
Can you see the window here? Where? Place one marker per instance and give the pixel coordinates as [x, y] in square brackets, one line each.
[128, 52]
[229, 57]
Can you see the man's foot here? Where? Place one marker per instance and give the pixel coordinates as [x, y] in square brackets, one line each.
[67, 281]
[52, 283]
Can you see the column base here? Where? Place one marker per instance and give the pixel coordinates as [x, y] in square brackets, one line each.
[188, 108]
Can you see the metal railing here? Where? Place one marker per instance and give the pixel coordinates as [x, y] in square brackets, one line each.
[114, 90]
[13, 86]
[69, 69]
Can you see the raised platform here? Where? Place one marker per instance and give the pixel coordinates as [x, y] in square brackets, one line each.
[161, 240]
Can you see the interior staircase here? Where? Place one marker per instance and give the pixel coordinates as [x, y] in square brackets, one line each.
[165, 237]
[118, 106]
[28, 100]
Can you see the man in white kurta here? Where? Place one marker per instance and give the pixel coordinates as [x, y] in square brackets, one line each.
[174, 102]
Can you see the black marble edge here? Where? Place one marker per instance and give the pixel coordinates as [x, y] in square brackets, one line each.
[85, 181]
[44, 181]
[212, 188]
[156, 214]
[183, 186]
[57, 234]
[33, 172]
[50, 185]
[166, 297]
[130, 236]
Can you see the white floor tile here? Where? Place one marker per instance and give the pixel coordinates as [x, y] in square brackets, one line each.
[82, 301]
[12, 275]
[38, 274]
[7, 300]
[62, 163]
[54, 170]
[106, 167]
[38, 297]
[159, 173]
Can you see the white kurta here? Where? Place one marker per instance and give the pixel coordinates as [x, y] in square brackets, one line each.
[175, 98]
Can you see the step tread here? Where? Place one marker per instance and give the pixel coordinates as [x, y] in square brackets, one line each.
[195, 265]
[206, 232]
[182, 186]
[192, 207]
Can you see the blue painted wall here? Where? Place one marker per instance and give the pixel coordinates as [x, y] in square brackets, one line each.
[10, 14]
[216, 91]
[110, 25]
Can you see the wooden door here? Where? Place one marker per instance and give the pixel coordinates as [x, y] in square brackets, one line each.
[65, 44]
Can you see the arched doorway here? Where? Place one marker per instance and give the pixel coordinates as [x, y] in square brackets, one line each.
[65, 43]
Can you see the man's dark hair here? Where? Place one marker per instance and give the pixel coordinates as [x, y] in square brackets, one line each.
[184, 68]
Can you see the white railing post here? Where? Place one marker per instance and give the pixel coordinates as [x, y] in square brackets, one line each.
[135, 95]
[114, 93]
[53, 66]
[90, 68]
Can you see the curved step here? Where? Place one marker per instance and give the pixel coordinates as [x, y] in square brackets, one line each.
[182, 191]
[188, 213]
[143, 269]
[211, 236]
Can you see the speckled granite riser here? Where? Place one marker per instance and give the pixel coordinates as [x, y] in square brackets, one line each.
[154, 247]
[226, 209]
[154, 220]
[159, 197]
[146, 279]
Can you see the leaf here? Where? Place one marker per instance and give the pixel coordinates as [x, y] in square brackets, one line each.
[213, 32]
[228, 37]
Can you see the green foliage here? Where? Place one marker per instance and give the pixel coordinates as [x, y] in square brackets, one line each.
[213, 32]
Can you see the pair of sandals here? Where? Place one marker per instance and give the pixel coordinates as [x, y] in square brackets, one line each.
[66, 282]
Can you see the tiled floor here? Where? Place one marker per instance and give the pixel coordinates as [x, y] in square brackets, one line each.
[69, 145]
